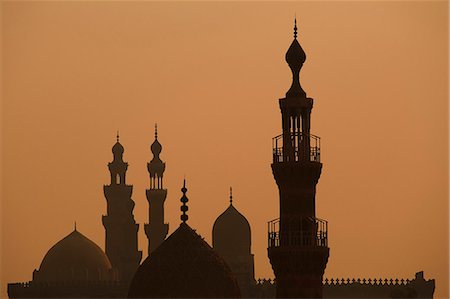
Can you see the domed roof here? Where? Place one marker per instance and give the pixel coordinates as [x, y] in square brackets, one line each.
[156, 147]
[184, 266]
[75, 257]
[295, 56]
[117, 148]
[231, 233]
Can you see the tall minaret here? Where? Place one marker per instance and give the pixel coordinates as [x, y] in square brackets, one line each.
[121, 228]
[298, 248]
[156, 230]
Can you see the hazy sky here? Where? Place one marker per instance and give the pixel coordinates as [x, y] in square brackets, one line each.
[210, 75]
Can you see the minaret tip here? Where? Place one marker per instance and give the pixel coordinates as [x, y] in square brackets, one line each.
[231, 195]
[184, 208]
[75, 226]
[156, 131]
[295, 27]
[117, 136]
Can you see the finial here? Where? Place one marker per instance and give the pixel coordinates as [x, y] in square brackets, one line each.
[295, 27]
[156, 131]
[75, 226]
[117, 136]
[231, 195]
[184, 208]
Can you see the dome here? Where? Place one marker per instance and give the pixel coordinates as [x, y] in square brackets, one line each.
[156, 147]
[231, 233]
[74, 258]
[117, 148]
[184, 266]
[295, 56]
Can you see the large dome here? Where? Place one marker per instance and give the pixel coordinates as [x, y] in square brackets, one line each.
[184, 266]
[74, 258]
[231, 233]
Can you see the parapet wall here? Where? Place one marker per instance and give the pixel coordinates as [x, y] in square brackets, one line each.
[362, 288]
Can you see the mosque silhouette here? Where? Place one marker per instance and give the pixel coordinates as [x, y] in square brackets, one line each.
[184, 265]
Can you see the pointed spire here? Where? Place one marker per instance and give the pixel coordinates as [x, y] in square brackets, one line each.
[156, 131]
[117, 136]
[231, 195]
[295, 27]
[184, 208]
[75, 226]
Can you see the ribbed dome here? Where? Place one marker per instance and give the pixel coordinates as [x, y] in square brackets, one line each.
[231, 233]
[74, 258]
[184, 266]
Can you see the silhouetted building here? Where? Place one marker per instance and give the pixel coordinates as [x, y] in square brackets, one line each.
[298, 248]
[156, 230]
[75, 267]
[121, 228]
[231, 239]
[378, 288]
[363, 288]
[184, 266]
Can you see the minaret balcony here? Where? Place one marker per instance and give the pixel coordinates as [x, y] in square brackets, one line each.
[300, 231]
[299, 147]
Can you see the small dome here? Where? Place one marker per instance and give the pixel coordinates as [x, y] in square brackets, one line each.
[74, 258]
[156, 147]
[117, 148]
[231, 233]
[295, 56]
[184, 266]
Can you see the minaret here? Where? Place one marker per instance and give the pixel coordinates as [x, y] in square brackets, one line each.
[298, 248]
[156, 230]
[121, 228]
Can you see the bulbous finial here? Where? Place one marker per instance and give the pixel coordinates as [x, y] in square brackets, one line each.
[231, 195]
[295, 57]
[156, 147]
[117, 149]
[184, 208]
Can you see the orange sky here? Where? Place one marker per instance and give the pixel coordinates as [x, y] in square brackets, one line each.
[211, 75]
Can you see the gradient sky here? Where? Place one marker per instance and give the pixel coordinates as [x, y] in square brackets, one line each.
[210, 75]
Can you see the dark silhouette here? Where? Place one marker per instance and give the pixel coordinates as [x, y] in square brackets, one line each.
[75, 258]
[231, 239]
[121, 228]
[75, 267]
[363, 288]
[184, 266]
[298, 248]
[156, 230]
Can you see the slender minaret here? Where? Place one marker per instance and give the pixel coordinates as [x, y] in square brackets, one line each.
[298, 248]
[121, 228]
[156, 230]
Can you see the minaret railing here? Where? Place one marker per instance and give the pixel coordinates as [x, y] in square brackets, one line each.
[298, 148]
[301, 231]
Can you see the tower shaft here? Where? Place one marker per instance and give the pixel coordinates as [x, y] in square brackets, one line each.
[156, 230]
